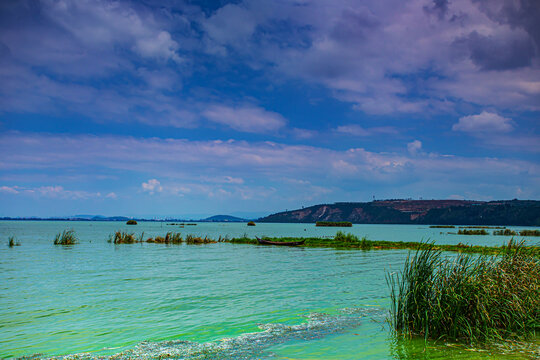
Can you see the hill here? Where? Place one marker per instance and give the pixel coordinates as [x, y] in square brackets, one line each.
[224, 218]
[442, 212]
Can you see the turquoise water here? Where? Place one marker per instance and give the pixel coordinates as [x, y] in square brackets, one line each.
[208, 301]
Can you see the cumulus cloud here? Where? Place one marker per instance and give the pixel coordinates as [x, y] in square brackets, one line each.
[414, 147]
[357, 130]
[9, 189]
[152, 186]
[245, 118]
[484, 122]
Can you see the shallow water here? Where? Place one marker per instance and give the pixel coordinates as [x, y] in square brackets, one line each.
[209, 301]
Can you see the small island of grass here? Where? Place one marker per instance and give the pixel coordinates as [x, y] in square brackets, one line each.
[66, 237]
[472, 232]
[334, 223]
[529, 233]
[131, 222]
[442, 226]
[251, 223]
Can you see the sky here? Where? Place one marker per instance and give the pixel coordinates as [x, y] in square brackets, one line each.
[195, 108]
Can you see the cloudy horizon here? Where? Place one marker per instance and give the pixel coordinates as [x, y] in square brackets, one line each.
[176, 108]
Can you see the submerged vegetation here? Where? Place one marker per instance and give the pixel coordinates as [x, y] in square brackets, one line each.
[66, 237]
[334, 223]
[472, 232]
[12, 242]
[466, 298]
[131, 222]
[442, 226]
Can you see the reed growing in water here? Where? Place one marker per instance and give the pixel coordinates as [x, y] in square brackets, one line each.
[131, 222]
[472, 299]
[121, 237]
[170, 238]
[529, 233]
[473, 232]
[12, 242]
[442, 226]
[505, 232]
[192, 240]
[66, 237]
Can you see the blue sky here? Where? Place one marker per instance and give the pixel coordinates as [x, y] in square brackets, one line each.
[194, 108]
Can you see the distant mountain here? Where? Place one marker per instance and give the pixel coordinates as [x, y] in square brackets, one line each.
[443, 212]
[224, 218]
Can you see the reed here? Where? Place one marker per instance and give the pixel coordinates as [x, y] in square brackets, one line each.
[121, 237]
[465, 298]
[131, 222]
[505, 232]
[170, 238]
[195, 240]
[66, 237]
[472, 232]
[529, 233]
[12, 242]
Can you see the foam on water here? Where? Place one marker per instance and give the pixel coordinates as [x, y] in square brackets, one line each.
[245, 346]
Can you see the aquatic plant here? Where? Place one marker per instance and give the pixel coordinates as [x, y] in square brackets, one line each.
[466, 298]
[442, 226]
[251, 223]
[121, 237]
[12, 242]
[170, 238]
[334, 223]
[131, 222]
[66, 237]
[506, 232]
[346, 238]
[482, 227]
[472, 232]
[317, 242]
[193, 240]
[529, 233]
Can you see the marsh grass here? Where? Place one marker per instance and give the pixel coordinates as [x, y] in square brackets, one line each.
[472, 299]
[170, 238]
[505, 232]
[529, 233]
[472, 232]
[66, 237]
[12, 242]
[121, 237]
[195, 240]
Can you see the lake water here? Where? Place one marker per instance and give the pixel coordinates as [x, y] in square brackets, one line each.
[215, 301]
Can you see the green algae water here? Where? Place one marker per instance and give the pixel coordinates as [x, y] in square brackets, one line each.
[216, 301]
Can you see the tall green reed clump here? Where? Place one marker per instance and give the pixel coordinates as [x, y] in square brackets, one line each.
[12, 242]
[66, 237]
[467, 298]
[121, 237]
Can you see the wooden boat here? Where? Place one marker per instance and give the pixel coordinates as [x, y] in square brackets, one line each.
[289, 243]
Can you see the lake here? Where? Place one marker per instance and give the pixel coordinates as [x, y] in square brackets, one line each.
[215, 301]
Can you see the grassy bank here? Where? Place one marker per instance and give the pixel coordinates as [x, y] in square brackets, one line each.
[350, 241]
[468, 298]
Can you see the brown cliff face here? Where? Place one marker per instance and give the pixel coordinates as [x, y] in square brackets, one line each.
[444, 212]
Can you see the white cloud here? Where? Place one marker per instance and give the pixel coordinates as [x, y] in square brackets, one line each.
[245, 118]
[414, 147]
[152, 186]
[9, 189]
[484, 122]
